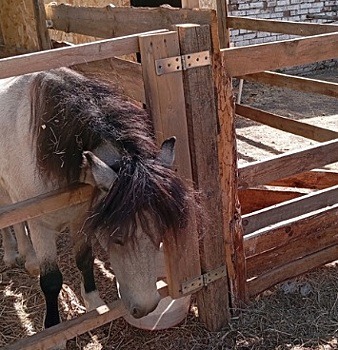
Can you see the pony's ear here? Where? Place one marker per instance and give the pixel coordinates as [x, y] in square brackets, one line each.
[96, 173]
[166, 156]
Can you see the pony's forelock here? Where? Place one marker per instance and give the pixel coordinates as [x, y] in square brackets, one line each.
[145, 192]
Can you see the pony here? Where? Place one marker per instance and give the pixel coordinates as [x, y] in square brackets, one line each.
[60, 128]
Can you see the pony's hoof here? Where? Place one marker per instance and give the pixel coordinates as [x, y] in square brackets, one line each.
[91, 300]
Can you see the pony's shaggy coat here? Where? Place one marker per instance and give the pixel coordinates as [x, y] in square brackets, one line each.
[72, 114]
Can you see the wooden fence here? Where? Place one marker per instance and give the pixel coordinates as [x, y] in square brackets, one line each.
[290, 230]
[197, 106]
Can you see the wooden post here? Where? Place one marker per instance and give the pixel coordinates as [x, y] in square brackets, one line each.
[204, 133]
[165, 100]
[23, 26]
[223, 31]
[227, 151]
[41, 27]
[190, 4]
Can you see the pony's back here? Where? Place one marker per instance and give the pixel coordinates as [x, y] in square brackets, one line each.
[16, 153]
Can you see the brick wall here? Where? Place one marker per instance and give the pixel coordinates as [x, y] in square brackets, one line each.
[286, 10]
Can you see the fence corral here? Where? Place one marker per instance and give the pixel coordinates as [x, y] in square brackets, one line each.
[237, 255]
[287, 233]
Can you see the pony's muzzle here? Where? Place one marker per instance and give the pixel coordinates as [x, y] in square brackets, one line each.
[139, 311]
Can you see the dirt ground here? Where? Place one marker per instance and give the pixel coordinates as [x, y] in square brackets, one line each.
[257, 142]
[301, 314]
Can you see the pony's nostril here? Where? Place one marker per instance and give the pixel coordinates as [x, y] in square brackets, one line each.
[137, 312]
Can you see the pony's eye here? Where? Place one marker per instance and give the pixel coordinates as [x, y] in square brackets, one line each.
[104, 189]
[117, 240]
[116, 166]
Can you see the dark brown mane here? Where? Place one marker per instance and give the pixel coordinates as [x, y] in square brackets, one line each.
[72, 114]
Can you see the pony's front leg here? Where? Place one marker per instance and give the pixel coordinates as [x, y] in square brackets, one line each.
[44, 242]
[10, 247]
[26, 250]
[18, 249]
[85, 263]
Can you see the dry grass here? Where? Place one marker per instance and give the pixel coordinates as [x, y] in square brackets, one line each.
[275, 320]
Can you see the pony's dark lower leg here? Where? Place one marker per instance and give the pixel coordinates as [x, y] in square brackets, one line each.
[51, 284]
[85, 263]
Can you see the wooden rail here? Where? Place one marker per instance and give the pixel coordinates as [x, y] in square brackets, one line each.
[109, 22]
[303, 236]
[314, 179]
[43, 204]
[253, 199]
[287, 164]
[292, 269]
[69, 329]
[315, 245]
[265, 241]
[296, 83]
[287, 210]
[284, 27]
[69, 56]
[245, 60]
[286, 124]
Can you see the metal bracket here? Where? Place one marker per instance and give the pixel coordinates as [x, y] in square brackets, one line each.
[203, 280]
[184, 62]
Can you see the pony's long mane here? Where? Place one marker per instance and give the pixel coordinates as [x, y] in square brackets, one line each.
[71, 114]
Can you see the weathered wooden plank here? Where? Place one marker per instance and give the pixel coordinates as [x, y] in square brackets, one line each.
[201, 111]
[68, 56]
[287, 164]
[296, 83]
[69, 329]
[301, 237]
[227, 151]
[43, 204]
[23, 26]
[253, 199]
[190, 4]
[222, 19]
[289, 209]
[316, 179]
[240, 61]
[292, 269]
[284, 27]
[165, 99]
[109, 22]
[286, 124]
[41, 27]
[126, 75]
[260, 241]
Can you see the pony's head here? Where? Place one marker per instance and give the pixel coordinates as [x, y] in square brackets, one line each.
[136, 203]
